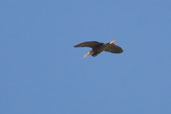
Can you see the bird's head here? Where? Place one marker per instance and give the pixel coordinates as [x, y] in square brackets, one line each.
[112, 42]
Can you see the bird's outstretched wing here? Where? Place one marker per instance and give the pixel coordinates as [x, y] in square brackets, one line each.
[91, 44]
[113, 48]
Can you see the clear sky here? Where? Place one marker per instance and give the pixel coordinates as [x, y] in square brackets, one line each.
[42, 73]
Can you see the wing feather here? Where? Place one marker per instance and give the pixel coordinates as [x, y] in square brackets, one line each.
[90, 44]
[113, 48]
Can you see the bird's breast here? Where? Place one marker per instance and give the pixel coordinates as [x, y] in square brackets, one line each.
[98, 50]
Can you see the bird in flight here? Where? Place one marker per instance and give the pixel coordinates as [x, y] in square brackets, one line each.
[98, 47]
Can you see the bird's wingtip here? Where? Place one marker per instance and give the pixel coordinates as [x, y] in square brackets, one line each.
[75, 46]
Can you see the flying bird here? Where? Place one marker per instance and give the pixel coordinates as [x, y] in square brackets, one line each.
[98, 47]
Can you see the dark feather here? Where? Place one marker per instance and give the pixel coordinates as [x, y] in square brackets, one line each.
[113, 48]
[91, 44]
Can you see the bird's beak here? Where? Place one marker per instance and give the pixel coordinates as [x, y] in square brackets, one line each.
[112, 42]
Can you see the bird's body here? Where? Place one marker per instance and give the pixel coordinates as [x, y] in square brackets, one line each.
[97, 47]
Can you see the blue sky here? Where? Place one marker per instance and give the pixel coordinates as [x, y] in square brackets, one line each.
[41, 72]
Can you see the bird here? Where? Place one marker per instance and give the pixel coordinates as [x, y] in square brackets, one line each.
[98, 47]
